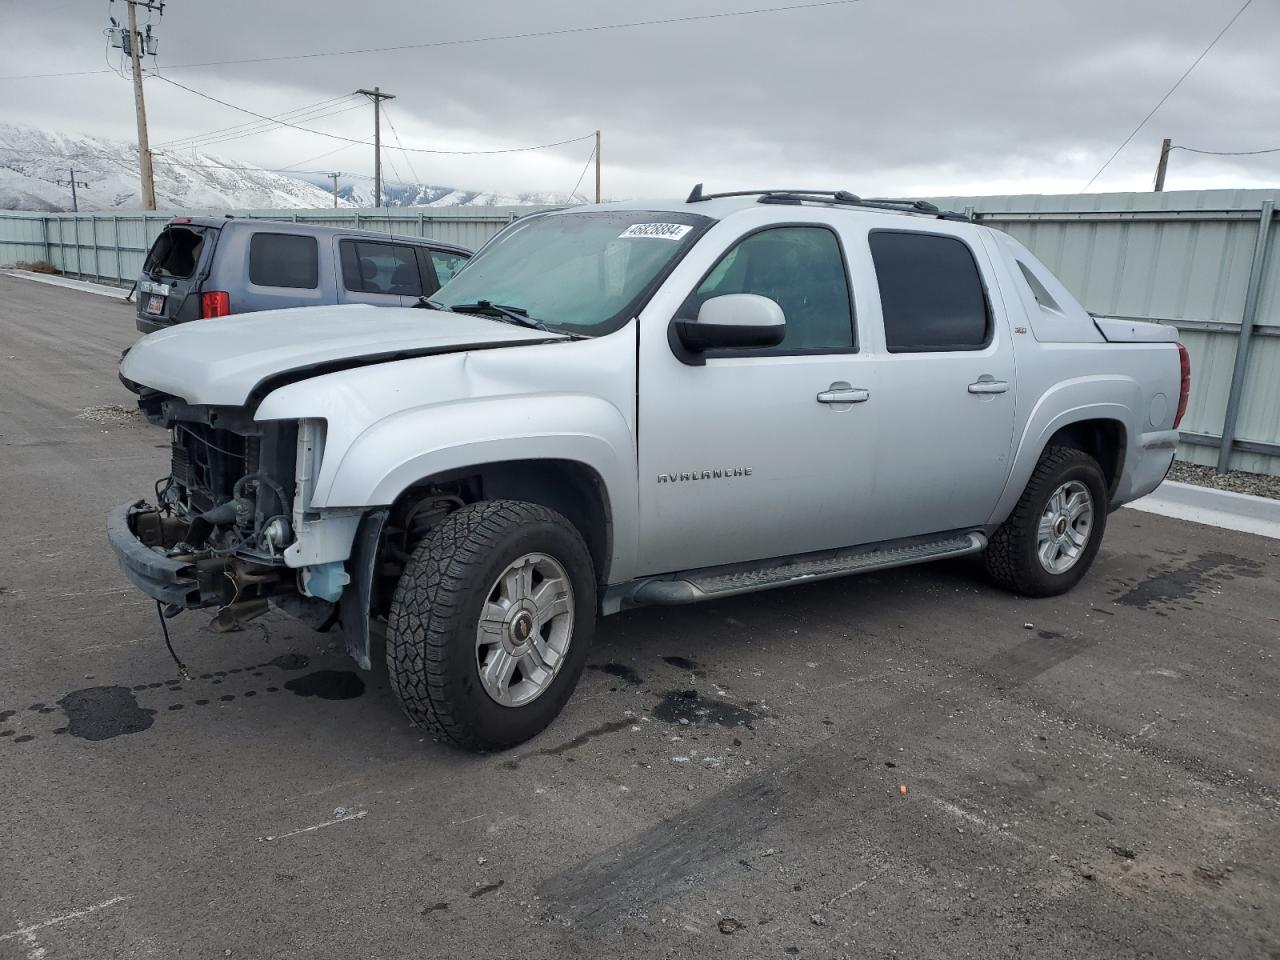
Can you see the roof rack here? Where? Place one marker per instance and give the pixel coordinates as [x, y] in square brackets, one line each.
[841, 197]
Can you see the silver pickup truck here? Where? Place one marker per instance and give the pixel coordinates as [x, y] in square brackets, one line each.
[640, 403]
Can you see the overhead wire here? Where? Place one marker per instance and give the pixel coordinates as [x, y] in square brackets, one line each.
[369, 143]
[530, 35]
[293, 114]
[591, 156]
[1177, 83]
[1226, 153]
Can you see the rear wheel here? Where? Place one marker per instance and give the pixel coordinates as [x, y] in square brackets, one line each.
[1049, 541]
[490, 623]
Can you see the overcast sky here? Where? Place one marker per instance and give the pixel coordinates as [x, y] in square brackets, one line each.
[907, 97]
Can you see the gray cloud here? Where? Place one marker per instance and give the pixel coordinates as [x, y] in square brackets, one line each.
[882, 96]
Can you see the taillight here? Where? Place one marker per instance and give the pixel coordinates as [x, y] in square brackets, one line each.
[1184, 360]
[215, 303]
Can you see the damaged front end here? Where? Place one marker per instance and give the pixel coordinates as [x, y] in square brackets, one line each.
[223, 518]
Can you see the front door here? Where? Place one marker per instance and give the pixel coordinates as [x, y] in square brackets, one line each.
[757, 453]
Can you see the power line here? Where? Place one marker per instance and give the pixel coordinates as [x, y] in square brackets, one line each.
[297, 113]
[1186, 73]
[538, 34]
[587, 166]
[1226, 153]
[407, 158]
[369, 143]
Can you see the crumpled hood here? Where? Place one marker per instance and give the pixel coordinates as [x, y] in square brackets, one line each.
[220, 362]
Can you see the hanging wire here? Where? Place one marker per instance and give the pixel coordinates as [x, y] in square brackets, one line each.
[591, 156]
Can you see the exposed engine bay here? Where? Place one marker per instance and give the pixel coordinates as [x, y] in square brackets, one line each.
[227, 507]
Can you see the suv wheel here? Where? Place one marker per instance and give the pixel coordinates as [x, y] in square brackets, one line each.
[1049, 541]
[490, 623]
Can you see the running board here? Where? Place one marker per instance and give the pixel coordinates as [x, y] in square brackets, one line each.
[715, 582]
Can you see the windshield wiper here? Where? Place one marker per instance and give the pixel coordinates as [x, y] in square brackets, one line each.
[517, 315]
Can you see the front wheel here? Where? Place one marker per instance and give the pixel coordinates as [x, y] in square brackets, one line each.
[1049, 541]
[490, 623]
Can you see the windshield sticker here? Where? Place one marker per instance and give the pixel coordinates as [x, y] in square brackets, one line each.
[660, 231]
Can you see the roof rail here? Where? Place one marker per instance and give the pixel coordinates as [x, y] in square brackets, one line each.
[841, 197]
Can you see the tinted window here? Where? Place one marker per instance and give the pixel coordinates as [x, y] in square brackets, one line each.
[380, 268]
[446, 264]
[283, 260]
[799, 268]
[930, 291]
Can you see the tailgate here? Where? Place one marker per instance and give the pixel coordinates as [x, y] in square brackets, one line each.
[1129, 330]
[169, 287]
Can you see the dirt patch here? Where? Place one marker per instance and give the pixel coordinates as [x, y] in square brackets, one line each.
[111, 414]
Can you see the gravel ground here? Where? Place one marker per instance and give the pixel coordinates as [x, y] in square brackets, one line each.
[1239, 481]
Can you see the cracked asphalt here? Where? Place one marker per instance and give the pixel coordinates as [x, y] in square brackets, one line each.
[908, 764]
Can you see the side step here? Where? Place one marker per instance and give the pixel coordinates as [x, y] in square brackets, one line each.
[715, 582]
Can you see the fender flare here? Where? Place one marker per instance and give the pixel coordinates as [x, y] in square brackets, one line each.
[1065, 403]
[377, 465]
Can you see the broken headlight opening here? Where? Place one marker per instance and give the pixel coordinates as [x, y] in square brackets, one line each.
[226, 508]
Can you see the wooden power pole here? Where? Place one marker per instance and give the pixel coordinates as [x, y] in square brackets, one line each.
[144, 146]
[1163, 165]
[334, 177]
[377, 96]
[73, 183]
[597, 166]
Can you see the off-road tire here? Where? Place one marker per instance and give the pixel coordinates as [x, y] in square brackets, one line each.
[1011, 560]
[431, 630]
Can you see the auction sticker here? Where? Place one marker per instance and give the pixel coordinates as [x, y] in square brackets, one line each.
[659, 231]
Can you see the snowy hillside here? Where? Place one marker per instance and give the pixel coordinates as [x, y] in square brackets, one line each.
[32, 161]
[431, 195]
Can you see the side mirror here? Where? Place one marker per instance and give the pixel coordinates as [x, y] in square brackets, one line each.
[733, 320]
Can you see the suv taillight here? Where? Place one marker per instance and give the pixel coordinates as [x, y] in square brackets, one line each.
[215, 303]
[1184, 361]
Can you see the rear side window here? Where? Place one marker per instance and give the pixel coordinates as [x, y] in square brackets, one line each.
[283, 260]
[175, 252]
[446, 264]
[372, 267]
[931, 292]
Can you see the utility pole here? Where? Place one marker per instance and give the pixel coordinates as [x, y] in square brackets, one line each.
[334, 177]
[376, 95]
[73, 183]
[1163, 165]
[135, 56]
[597, 166]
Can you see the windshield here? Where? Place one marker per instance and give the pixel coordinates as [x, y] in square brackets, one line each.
[585, 272]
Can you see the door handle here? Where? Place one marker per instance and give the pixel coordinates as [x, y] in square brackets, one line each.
[843, 393]
[989, 384]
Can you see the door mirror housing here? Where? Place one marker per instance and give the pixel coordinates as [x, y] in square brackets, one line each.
[733, 320]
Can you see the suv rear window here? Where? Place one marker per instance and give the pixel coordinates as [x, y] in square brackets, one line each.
[175, 252]
[930, 292]
[284, 260]
[380, 268]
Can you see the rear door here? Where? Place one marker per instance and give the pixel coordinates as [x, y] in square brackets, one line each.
[169, 286]
[943, 392]
[380, 272]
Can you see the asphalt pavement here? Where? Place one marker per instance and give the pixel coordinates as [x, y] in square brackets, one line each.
[905, 764]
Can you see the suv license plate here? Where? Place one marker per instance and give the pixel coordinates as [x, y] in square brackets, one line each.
[155, 304]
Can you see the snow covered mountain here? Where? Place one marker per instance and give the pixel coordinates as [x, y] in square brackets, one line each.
[395, 194]
[32, 162]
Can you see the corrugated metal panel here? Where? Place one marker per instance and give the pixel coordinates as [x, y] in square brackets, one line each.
[1187, 266]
